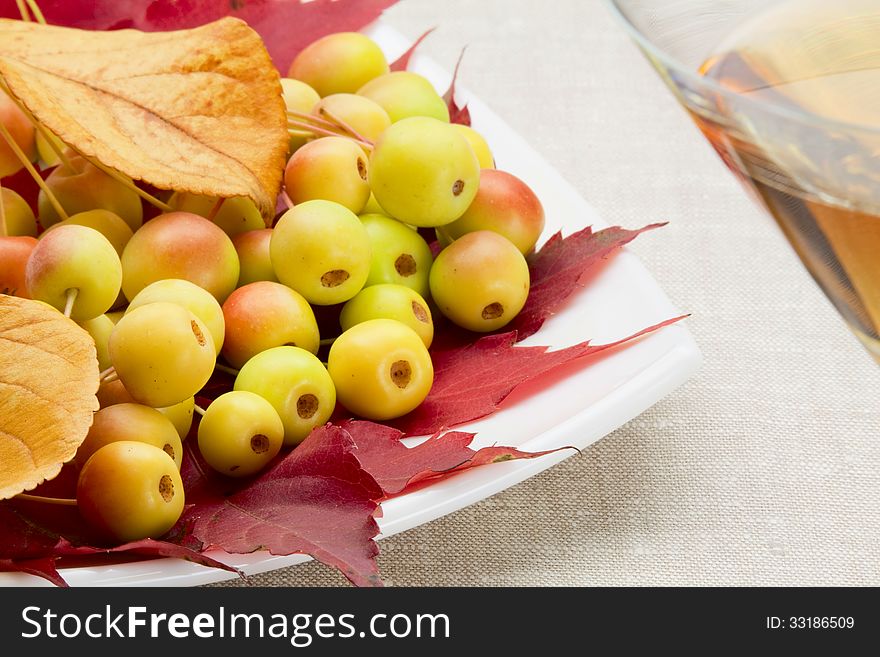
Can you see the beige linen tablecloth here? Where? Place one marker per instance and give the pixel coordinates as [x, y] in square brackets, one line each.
[765, 467]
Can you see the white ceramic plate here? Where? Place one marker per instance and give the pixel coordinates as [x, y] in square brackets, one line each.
[573, 407]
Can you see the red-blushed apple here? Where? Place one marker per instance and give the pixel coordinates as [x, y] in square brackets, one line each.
[253, 255]
[263, 315]
[180, 245]
[339, 63]
[84, 187]
[331, 168]
[113, 392]
[480, 281]
[503, 204]
[22, 131]
[74, 259]
[14, 254]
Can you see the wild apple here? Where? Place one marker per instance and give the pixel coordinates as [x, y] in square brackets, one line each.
[263, 315]
[180, 245]
[503, 204]
[253, 254]
[14, 254]
[82, 187]
[22, 130]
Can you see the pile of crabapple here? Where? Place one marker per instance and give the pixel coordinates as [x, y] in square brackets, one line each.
[376, 171]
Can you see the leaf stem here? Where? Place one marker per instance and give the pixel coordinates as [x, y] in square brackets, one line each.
[31, 170]
[35, 8]
[62, 501]
[225, 368]
[71, 299]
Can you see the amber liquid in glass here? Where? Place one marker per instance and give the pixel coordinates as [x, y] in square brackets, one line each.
[820, 179]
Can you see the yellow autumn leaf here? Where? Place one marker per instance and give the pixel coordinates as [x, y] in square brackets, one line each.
[195, 110]
[48, 381]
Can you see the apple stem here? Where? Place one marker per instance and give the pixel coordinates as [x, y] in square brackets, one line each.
[46, 500]
[106, 374]
[299, 127]
[31, 170]
[3, 230]
[215, 210]
[327, 341]
[198, 409]
[71, 298]
[310, 118]
[22, 9]
[302, 126]
[127, 182]
[287, 201]
[35, 8]
[227, 369]
[345, 126]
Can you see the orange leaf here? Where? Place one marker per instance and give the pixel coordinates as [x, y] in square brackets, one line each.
[195, 110]
[48, 380]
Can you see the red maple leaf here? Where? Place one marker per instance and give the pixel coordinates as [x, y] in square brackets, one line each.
[397, 467]
[402, 62]
[24, 185]
[457, 114]
[287, 26]
[317, 500]
[559, 268]
[31, 545]
[471, 381]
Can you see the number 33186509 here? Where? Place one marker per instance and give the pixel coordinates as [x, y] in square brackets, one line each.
[811, 622]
